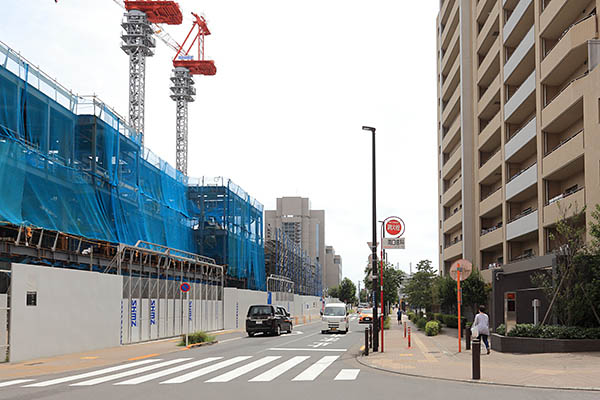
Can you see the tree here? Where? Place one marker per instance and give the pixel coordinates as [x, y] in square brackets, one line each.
[334, 292]
[444, 293]
[347, 291]
[475, 291]
[364, 295]
[419, 288]
[392, 279]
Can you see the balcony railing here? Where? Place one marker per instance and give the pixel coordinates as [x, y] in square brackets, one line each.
[454, 212]
[452, 243]
[592, 14]
[492, 229]
[482, 163]
[565, 87]
[566, 194]
[562, 142]
[522, 214]
[512, 135]
[490, 193]
[520, 172]
[524, 256]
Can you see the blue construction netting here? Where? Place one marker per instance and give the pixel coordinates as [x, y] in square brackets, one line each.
[69, 164]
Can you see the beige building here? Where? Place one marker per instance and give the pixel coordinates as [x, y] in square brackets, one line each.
[333, 268]
[518, 125]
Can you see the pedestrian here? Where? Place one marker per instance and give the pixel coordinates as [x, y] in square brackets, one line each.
[482, 324]
[399, 316]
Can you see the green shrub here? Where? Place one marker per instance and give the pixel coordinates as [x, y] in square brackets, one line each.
[553, 332]
[421, 322]
[437, 316]
[501, 329]
[197, 337]
[451, 321]
[386, 323]
[432, 328]
[411, 315]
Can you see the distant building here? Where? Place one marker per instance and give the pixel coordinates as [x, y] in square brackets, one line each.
[333, 268]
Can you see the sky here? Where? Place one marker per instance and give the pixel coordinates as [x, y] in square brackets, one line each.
[295, 82]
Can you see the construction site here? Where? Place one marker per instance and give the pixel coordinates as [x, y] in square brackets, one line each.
[82, 192]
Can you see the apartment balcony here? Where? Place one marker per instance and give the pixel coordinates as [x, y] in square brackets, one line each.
[519, 23]
[450, 25]
[490, 202]
[558, 15]
[490, 166]
[522, 225]
[451, 54]
[490, 66]
[569, 53]
[491, 129]
[522, 60]
[484, 9]
[487, 101]
[453, 221]
[564, 100]
[452, 108]
[489, 32]
[566, 153]
[520, 139]
[446, 8]
[453, 192]
[452, 250]
[522, 102]
[568, 201]
[452, 165]
[451, 82]
[521, 182]
[491, 237]
[452, 135]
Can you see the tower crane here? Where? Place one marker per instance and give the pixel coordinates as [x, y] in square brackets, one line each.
[183, 91]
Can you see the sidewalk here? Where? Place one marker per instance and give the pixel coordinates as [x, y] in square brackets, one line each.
[438, 357]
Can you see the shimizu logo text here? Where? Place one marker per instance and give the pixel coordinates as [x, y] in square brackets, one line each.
[394, 226]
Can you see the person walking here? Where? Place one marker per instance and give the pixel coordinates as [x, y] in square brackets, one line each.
[482, 324]
[399, 316]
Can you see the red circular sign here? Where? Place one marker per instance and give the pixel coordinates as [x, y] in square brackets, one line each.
[185, 287]
[394, 226]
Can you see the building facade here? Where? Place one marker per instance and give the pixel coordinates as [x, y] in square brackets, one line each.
[333, 268]
[518, 127]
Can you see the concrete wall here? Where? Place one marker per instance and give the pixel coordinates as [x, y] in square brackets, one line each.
[68, 317]
[3, 325]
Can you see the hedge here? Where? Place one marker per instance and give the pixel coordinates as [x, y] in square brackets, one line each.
[197, 337]
[550, 331]
[421, 323]
[451, 321]
[432, 328]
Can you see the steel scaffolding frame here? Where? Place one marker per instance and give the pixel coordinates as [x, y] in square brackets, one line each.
[183, 93]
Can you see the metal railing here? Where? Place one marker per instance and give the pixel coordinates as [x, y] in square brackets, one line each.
[562, 142]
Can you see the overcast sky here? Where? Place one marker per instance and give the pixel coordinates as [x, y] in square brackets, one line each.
[295, 82]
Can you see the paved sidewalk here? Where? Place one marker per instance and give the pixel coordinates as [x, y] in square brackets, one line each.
[438, 357]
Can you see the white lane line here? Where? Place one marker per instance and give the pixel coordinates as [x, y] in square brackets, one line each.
[310, 373]
[206, 370]
[301, 349]
[347, 375]
[93, 373]
[279, 370]
[15, 382]
[243, 369]
[169, 371]
[129, 373]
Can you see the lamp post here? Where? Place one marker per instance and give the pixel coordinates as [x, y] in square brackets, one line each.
[376, 286]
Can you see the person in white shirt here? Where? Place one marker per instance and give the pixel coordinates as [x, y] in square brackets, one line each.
[482, 324]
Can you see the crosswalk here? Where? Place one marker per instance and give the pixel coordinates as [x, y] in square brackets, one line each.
[181, 370]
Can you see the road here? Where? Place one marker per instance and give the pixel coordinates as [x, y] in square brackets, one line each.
[298, 366]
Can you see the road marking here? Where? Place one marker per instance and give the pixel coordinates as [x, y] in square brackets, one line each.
[316, 369]
[15, 382]
[90, 374]
[129, 373]
[230, 340]
[279, 370]
[424, 350]
[243, 369]
[300, 349]
[347, 375]
[143, 357]
[169, 371]
[206, 370]
[89, 358]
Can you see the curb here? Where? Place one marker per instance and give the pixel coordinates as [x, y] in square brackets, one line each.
[191, 346]
[477, 382]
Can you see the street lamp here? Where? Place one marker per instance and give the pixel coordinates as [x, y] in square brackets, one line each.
[376, 286]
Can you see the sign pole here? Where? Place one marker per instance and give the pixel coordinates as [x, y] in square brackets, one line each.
[381, 289]
[458, 303]
[187, 317]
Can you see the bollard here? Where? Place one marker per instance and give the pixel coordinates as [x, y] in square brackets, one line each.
[366, 352]
[468, 338]
[404, 328]
[409, 337]
[476, 354]
[371, 336]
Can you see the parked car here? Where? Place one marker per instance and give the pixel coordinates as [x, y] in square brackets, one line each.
[335, 318]
[287, 319]
[265, 318]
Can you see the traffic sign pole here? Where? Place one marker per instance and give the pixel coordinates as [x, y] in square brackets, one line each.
[187, 319]
[458, 303]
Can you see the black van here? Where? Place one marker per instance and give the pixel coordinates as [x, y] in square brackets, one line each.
[266, 318]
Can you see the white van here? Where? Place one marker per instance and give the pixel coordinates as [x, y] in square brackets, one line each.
[335, 318]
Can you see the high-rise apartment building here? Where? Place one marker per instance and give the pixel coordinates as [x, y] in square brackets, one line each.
[333, 268]
[518, 126]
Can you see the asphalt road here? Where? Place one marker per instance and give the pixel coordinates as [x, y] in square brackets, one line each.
[299, 366]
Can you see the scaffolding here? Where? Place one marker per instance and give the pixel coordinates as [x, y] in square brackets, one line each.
[80, 178]
[286, 259]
